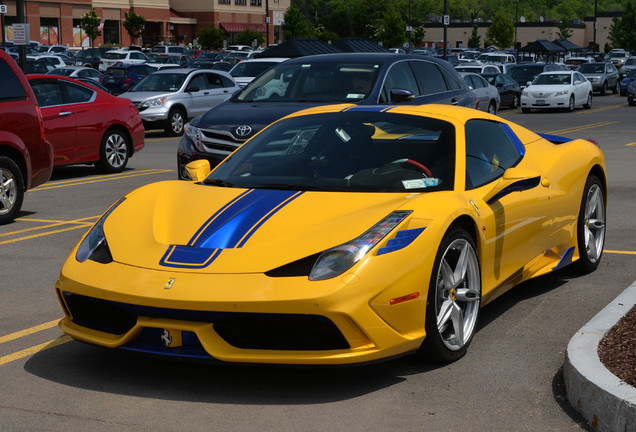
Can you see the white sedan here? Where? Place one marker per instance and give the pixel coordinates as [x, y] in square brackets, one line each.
[557, 89]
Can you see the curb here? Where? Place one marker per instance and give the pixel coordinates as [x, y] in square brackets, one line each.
[606, 402]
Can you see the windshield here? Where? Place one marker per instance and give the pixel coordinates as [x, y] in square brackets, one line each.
[251, 69]
[553, 79]
[313, 82]
[592, 68]
[526, 73]
[115, 56]
[345, 151]
[632, 73]
[160, 82]
[631, 61]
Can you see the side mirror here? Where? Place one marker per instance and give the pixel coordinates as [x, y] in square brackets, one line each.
[513, 180]
[499, 85]
[399, 95]
[193, 89]
[198, 169]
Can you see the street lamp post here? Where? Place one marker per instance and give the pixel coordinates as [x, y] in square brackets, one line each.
[445, 28]
[595, 23]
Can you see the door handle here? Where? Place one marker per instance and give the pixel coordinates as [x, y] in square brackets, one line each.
[65, 113]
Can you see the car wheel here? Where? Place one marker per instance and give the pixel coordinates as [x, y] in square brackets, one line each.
[175, 122]
[11, 190]
[492, 108]
[588, 104]
[604, 89]
[515, 102]
[590, 230]
[632, 102]
[454, 297]
[571, 104]
[525, 110]
[113, 152]
[617, 87]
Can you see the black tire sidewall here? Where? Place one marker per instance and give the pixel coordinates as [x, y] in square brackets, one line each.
[103, 164]
[168, 128]
[9, 165]
[584, 264]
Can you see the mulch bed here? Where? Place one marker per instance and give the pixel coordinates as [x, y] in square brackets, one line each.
[617, 349]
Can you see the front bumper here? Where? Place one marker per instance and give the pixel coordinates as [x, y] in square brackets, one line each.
[187, 152]
[552, 102]
[250, 318]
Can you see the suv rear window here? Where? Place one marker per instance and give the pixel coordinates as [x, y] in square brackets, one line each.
[12, 88]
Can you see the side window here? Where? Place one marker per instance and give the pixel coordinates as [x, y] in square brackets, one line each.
[429, 77]
[198, 81]
[214, 81]
[491, 148]
[78, 94]
[227, 82]
[499, 80]
[400, 76]
[48, 93]
[478, 82]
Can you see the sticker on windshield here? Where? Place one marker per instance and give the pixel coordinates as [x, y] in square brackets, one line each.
[420, 183]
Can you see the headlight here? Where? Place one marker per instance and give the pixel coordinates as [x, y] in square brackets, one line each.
[94, 245]
[152, 102]
[562, 92]
[335, 261]
[194, 133]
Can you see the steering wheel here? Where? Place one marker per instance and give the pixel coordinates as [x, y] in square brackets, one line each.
[414, 164]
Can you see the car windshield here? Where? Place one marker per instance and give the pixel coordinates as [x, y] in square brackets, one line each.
[631, 61]
[251, 69]
[592, 68]
[115, 56]
[353, 151]
[318, 82]
[632, 73]
[553, 79]
[526, 73]
[159, 82]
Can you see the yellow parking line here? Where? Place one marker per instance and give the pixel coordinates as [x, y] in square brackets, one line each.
[619, 252]
[29, 331]
[580, 128]
[102, 179]
[631, 144]
[606, 108]
[29, 351]
[44, 234]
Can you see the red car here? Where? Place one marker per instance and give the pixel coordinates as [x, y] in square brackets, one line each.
[26, 157]
[87, 125]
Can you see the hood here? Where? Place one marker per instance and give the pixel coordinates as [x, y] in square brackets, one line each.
[181, 226]
[547, 89]
[230, 114]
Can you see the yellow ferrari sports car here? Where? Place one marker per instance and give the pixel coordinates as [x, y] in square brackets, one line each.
[340, 234]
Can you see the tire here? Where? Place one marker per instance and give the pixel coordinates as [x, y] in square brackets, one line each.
[454, 297]
[515, 102]
[525, 110]
[11, 190]
[175, 122]
[631, 103]
[588, 104]
[590, 231]
[604, 89]
[492, 108]
[571, 104]
[113, 152]
[617, 87]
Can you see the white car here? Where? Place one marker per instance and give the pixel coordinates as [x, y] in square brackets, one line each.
[486, 93]
[114, 57]
[557, 89]
[56, 61]
[77, 72]
[245, 71]
[477, 68]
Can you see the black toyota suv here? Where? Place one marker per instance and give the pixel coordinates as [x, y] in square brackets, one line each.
[304, 82]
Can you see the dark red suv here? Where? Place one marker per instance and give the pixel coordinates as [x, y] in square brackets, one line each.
[26, 157]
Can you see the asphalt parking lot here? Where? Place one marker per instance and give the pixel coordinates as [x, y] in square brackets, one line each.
[510, 380]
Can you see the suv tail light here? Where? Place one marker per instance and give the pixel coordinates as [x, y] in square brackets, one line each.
[40, 122]
[127, 81]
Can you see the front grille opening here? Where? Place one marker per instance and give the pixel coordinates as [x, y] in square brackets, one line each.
[99, 315]
[281, 332]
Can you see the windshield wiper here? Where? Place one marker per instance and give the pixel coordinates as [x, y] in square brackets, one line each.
[218, 182]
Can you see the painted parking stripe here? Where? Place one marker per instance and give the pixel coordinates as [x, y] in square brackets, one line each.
[55, 185]
[34, 349]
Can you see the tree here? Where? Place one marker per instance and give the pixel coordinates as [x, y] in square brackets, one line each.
[211, 38]
[91, 23]
[134, 25]
[393, 32]
[296, 25]
[475, 39]
[501, 32]
[417, 35]
[565, 32]
[622, 34]
[247, 36]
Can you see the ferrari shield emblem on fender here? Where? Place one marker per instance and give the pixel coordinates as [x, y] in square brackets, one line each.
[169, 284]
[474, 204]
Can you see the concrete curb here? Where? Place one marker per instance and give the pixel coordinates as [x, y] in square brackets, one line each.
[606, 402]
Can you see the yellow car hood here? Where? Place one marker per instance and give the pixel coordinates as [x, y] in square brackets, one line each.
[181, 226]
